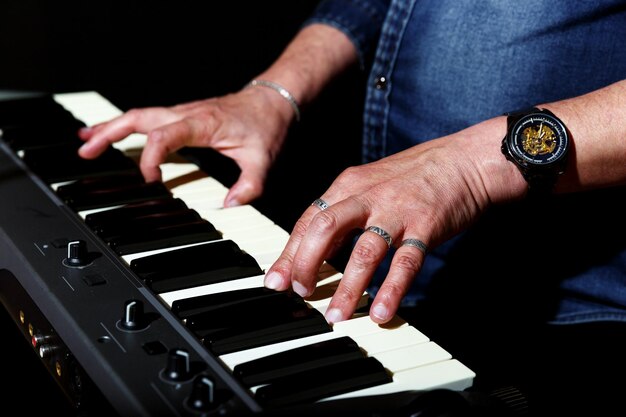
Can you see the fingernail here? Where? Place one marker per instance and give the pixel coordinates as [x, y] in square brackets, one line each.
[232, 202]
[84, 130]
[84, 147]
[299, 289]
[333, 315]
[273, 280]
[380, 311]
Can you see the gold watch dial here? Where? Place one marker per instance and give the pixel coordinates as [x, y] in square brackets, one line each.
[538, 139]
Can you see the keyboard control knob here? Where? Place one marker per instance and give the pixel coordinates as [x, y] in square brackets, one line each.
[177, 368]
[202, 397]
[134, 317]
[77, 253]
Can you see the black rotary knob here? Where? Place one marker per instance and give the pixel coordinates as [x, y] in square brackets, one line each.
[202, 397]
[177, 368]
[77, 253]
[133, 317]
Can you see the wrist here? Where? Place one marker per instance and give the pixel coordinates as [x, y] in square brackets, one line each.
[280, 90]
[315, 56]
[501, 179]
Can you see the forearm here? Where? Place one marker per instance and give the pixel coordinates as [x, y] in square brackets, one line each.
[316, 55]
[597, 122]
[597, 159]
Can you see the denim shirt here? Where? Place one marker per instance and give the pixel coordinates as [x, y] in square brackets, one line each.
[438, 66]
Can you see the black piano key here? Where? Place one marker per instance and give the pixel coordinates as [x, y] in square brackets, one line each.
[144, 224]
[62, 163]
[269, 368]
[245, 267]
[268, 329]
[34, 109]
[315, 384]
[246, 311]
[196, 265]
[187, 307]
[132, 210]
[93, 184]
[22, 137]
[130, 193]
[165, 237]
[186, 260]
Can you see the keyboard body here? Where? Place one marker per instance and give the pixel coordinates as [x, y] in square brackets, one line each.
[75, 315]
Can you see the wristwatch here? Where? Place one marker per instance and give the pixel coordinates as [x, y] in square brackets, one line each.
[537, 142]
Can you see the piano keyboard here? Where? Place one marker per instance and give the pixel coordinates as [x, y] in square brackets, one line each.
[204, 265]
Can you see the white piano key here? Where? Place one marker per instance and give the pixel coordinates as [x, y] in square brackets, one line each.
[450, 374]
[262, 232]
[398, 360]
[236, 212]
[399, 338]
[235, 223]
[244, 223]
[415, 362]
[355, 328]
[212, 200]
[266, 250]
[265, 258]
[235, 358]
[327, 281]
[84, 213]
[239, 284]
[89, 106]
[132, 256]
[264, 241]
[324, 291]
[257, 282]
[200, 190]
[56, 185]
[132, 145]
[418, 354]
[171, 171]
[206, 186]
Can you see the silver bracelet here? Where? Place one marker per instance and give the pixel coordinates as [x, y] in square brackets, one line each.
[280, 90]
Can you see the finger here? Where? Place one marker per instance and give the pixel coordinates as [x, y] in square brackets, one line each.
[325, 229]
[101, 136]
[406, 263]
[278, 276]
[368, 252]
[161, 143]
[85, 133]
[249, 185]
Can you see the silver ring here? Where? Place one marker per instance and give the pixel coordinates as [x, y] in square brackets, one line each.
[380, 232]
[321, 204]
[415, 243]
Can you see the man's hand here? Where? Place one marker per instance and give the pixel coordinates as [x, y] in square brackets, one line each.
[426, 193]
[249, 127]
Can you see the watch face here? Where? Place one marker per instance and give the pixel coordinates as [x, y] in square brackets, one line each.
[538, 139]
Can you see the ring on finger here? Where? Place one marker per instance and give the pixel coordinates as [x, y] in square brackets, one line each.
[321, 204]
[416, 243]
[380, 232]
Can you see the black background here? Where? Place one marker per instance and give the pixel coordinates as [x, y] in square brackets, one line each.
[141, 53]
[145, 53]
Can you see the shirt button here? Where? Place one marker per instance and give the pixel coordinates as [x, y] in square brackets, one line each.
[381, 82]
